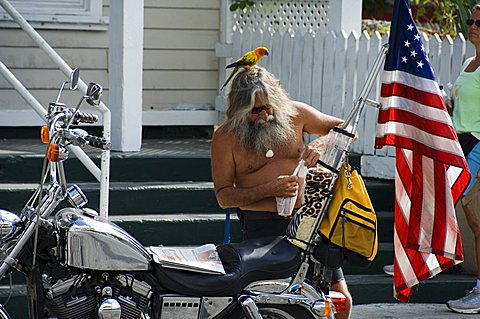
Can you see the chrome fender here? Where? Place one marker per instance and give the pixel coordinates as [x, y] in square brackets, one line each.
[8, 224]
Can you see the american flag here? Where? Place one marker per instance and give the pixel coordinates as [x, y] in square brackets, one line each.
[431, 171]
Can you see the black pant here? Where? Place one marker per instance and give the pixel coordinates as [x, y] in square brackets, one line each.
[261, 224]
[257, 224]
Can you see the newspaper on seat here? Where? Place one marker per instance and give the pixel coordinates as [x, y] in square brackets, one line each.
[203, 259]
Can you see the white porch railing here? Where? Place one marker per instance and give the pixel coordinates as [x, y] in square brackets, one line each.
[102, 175]
[327, 70]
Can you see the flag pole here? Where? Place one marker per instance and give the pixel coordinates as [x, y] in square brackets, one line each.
[334, 153]
[359, 104]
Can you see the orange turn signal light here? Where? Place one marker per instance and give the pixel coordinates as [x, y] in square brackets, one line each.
[53, 153]
[328, 309]
[44, 134]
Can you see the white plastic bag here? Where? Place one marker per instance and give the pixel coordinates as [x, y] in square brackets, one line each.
[285, 205]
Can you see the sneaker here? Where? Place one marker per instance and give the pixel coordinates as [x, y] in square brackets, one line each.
[468, 304]
[388, 269]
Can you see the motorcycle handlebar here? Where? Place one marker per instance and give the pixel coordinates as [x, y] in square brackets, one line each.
[81, 117]
[80, 137]
[98, 142]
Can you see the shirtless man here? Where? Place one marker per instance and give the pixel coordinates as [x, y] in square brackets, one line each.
[255, 151]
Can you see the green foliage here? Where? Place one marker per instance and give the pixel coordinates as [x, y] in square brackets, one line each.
[444, 13]
[373, 7]
[450, 15]
[464, 8]
[241, 4]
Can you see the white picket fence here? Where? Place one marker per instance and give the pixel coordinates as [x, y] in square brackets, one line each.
[328, 70]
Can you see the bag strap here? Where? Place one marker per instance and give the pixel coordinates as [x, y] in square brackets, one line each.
[348, 173]
[226, 231]
[330, 168]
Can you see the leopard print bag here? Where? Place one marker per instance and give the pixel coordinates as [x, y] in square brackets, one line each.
[317, 191]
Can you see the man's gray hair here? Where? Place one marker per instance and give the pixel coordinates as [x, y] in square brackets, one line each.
[246, 85]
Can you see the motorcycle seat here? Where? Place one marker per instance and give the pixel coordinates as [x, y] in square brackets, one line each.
[251, 260]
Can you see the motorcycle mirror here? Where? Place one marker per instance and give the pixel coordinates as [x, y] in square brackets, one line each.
[73, 83]
[74, 79]
[94, 93]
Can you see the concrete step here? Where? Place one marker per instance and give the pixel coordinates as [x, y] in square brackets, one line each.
[372, 288]
[163, 197]
[14, 299]
[384, 257]
[131, 198]
[159, 160]
[178, 229]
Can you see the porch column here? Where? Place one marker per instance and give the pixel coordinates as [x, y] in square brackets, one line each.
[125, 65]
[345, 15]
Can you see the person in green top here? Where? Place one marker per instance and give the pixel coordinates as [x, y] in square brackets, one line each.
[466, 120]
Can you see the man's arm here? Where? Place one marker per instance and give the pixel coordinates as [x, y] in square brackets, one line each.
[223, 174]
[315, 122]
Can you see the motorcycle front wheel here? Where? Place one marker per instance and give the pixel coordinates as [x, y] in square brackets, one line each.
[3, 313]
[275, 312]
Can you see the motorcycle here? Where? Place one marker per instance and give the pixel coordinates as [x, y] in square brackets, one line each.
[80, 265]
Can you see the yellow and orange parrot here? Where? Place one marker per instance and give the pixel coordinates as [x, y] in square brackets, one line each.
[248, 60]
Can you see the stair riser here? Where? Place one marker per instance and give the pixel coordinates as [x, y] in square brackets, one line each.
[177, 233]
[17, 305]
[27, 169]
[132, 202]
[140, 200]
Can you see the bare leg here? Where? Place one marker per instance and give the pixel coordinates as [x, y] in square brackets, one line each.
[474, 224]
[341, 286]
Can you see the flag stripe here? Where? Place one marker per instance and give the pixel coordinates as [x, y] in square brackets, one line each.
[413, 94]
[411, 144]
[428, 213]
[431, 171]
[422, 110]
[440, 209]
[417, 202]
[417, 122]
[410, 80]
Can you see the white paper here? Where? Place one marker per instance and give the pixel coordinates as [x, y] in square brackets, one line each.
[285, 205]
[198, 259]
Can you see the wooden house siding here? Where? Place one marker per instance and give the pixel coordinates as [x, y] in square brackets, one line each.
[179, 64]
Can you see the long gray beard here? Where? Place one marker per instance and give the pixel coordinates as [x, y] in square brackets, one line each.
[259, 137]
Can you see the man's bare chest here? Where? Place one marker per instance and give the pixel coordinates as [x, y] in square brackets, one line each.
[279, 162]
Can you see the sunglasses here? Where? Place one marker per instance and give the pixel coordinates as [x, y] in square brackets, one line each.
[258, 109]
[470, 22]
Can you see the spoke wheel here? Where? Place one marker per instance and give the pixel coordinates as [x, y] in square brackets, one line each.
[3, 313]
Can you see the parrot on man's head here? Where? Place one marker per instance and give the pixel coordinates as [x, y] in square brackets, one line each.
[248, 60]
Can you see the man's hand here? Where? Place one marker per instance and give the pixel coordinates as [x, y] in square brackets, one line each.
[285, 186]
[311, 153]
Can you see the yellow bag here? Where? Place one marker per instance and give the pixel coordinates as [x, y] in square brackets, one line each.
[350, 221]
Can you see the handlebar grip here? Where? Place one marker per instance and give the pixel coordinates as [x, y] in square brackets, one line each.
[81, 117]
[97, 142]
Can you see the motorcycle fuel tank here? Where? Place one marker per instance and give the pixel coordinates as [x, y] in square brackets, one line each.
[97, 244]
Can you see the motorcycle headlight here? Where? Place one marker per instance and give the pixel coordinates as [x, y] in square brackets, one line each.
[8, 223]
